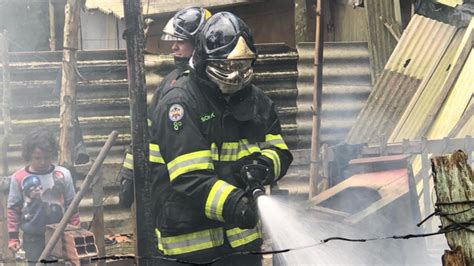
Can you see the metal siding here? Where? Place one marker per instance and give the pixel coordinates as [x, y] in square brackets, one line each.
[414, 59]
[381, 41]
[115, 7]
[416, 119]
[456, 103]
[346, 86]
[421, 46]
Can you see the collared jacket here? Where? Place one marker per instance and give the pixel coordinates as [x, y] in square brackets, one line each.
[126, 194]
[200, 141]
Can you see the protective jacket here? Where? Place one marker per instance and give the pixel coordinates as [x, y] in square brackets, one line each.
[201, 141]
[126, 195]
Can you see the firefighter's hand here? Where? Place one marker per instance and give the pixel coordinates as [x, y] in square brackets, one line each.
[14, 245]
[245, 214]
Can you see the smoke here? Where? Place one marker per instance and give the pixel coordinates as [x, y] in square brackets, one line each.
[291, 225]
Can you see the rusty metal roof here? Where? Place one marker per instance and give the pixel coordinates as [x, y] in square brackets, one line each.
[411, 65]
[151, 7]
[346, 86]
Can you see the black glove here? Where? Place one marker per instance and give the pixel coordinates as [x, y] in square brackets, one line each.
[243, 213]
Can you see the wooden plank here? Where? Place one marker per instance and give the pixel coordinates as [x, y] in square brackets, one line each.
[454, 185]
[301, 21]
[425, 164]
[136, 80]
[98, 225]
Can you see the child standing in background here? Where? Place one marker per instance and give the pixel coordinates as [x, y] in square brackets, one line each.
[39, 194]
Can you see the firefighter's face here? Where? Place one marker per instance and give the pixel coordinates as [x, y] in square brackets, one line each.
[182, 48]
[40, 160]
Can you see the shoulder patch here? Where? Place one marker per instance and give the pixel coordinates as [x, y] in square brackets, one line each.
[176, 112]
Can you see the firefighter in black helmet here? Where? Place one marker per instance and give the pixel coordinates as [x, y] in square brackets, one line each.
[181, 29]
[207, 127]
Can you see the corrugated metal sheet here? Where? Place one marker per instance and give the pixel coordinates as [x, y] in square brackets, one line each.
[151, 7]
[421, 46]
[457, 102]
[346, 86]
[419, 114]
[412, 63]
[380, 14]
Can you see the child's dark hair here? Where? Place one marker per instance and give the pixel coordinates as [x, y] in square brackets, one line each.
[42, 138]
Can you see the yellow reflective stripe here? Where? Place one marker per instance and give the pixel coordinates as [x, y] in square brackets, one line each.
[275, 140]
[214, 152]
[205, 239]
[155, 154]
[149, 122]
[245, 149]
[216, 199]
[273, 155]
[233, 151]
[229, 151]
[199, 160]
[239, 237]
[128, 162]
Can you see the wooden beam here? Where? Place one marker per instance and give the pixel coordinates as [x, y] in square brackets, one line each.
[137, 92]
[52, 27]
[98, 225]
[454, 183]
[67, 109]
[4, 143]
[301, 21]
[317, 101]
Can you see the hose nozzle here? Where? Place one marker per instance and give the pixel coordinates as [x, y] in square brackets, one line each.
[253, 176]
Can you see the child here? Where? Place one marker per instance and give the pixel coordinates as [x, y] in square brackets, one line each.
[39, 194]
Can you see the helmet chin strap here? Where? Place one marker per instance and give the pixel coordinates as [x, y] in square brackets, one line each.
[181, 62]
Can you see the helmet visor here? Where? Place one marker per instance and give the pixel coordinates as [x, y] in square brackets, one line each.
[230, 75]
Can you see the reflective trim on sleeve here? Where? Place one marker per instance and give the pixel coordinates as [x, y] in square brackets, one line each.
[229, 151]
[214, 152]
[245, 148]
[199, 160]
[155, 154]
[216, 199]
[273, 155]
[186, 243]
[239, 237]
[233, 151]
[274, 140]
[128, 162]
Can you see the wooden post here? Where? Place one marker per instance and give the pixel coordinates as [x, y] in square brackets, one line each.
[98, 226]
[425, 165]
[454, 186]
[6, 99]
[137, 92]
[4, 143]
[318, 93]
[52, 27]
[68, 84]
[301, 21]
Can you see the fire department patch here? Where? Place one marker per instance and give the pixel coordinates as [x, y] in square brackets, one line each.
[176, 112]
[58, 176]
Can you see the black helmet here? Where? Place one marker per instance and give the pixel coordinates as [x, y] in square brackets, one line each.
[225, 52]
[185, 24]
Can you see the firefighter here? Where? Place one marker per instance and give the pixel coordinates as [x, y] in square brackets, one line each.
[181, 29]
[210, 124]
